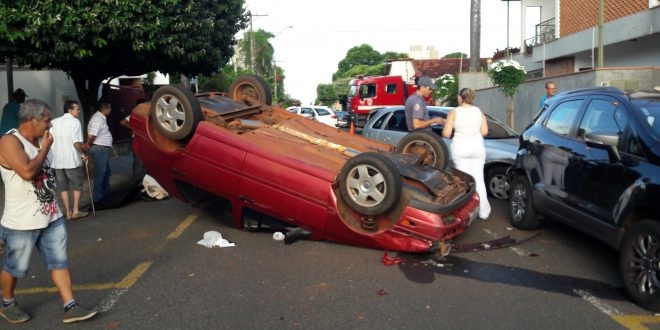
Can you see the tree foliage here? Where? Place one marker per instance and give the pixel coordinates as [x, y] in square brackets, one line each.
[326, 94]
[257, 52]
[360, 55]
[95, 39]
[456, 55]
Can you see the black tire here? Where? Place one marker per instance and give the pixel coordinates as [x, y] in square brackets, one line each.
[638, 264]
[176, 111]
[251, 86]
[496, 183]
[521, 206]
[427, 143]
[370, 184]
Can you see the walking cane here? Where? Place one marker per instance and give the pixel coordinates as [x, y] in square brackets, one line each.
[91, 192]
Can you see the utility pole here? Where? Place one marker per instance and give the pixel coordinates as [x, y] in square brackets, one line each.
[601, 19]
[475, 34]
[252, 44]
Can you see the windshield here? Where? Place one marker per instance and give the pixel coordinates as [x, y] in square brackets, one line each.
[352, 91]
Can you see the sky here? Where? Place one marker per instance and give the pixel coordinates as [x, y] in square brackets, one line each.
[311, 37]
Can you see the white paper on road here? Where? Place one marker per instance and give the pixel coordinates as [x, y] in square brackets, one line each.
[214, 239]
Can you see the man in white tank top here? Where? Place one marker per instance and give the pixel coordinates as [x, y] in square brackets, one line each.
[31, 218]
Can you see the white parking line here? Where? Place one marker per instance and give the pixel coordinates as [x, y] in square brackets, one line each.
[602, 306]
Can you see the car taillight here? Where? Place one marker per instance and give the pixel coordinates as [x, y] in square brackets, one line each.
[333, 116]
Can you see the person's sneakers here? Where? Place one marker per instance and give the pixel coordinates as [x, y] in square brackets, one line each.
[14, 314]
[78, 313]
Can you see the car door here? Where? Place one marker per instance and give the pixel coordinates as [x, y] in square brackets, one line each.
[549, 146]
[374, 127]
[594, 181]
[394, 128]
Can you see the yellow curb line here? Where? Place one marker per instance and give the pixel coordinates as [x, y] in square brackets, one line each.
[636, 322]
[125, 283]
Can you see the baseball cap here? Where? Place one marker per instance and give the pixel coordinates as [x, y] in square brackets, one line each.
[426, 81]
[19, 91]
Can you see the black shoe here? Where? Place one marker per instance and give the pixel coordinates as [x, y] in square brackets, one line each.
[296, 234]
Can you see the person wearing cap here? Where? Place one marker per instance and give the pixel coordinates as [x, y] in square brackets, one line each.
[417, 115]
[10, 111]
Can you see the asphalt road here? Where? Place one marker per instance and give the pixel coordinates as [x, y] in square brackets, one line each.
[142, 266]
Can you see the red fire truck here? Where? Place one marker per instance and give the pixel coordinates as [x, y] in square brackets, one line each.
[369, 93]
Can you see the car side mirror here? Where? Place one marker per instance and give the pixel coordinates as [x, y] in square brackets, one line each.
[606, 141]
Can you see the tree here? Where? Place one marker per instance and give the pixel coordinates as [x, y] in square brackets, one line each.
[261, 52]
[92, 40]
[359, 55]
[508, 75]
[456, 55]
[394, 56]
[325, 94]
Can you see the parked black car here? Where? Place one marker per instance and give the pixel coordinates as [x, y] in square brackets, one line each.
[591, 159]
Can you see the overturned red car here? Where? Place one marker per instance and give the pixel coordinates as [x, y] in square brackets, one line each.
[281, 170]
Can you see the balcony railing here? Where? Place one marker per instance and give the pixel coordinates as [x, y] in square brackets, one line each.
[545, 32]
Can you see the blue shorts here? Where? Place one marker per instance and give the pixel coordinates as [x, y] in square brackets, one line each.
[19, 244]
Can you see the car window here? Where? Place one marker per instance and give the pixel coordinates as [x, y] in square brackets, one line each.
[397, 122]
[390, 89]
[650, 110]
[604, 116]
[378, 124]
[498, 130]
[563, 116]
[322, 112]
[306, 111]
[368, 91]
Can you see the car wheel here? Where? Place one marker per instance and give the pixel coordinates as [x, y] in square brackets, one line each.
[522, 214]
[496, 183]
[176, 111]
[428, 144]
[251, 86]
[369, 183]
[638, 264]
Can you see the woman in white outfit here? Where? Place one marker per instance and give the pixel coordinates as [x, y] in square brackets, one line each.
[468, 152]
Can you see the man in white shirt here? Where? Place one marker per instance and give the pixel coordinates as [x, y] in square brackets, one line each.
[68, 157]
[99, 144]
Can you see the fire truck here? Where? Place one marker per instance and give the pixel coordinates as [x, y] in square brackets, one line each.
[367, 94]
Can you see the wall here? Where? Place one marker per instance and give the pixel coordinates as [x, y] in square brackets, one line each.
[526, 102]
[50, 86]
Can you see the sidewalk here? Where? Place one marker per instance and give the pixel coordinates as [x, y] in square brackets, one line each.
[121, 171]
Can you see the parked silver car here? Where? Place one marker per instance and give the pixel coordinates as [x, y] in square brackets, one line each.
[389, 125]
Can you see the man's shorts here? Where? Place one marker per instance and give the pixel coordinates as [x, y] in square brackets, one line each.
[69, 179]
[19, 244]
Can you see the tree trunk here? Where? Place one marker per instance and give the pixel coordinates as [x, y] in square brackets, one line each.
[475, 35]
[87, 89]
[509, 111]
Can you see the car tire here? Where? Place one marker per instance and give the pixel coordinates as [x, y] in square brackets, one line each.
[638, 260]
[496, 182]
[431, 146]
[176, 111]
[370, 184]
[250, 86]
[521, 206]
